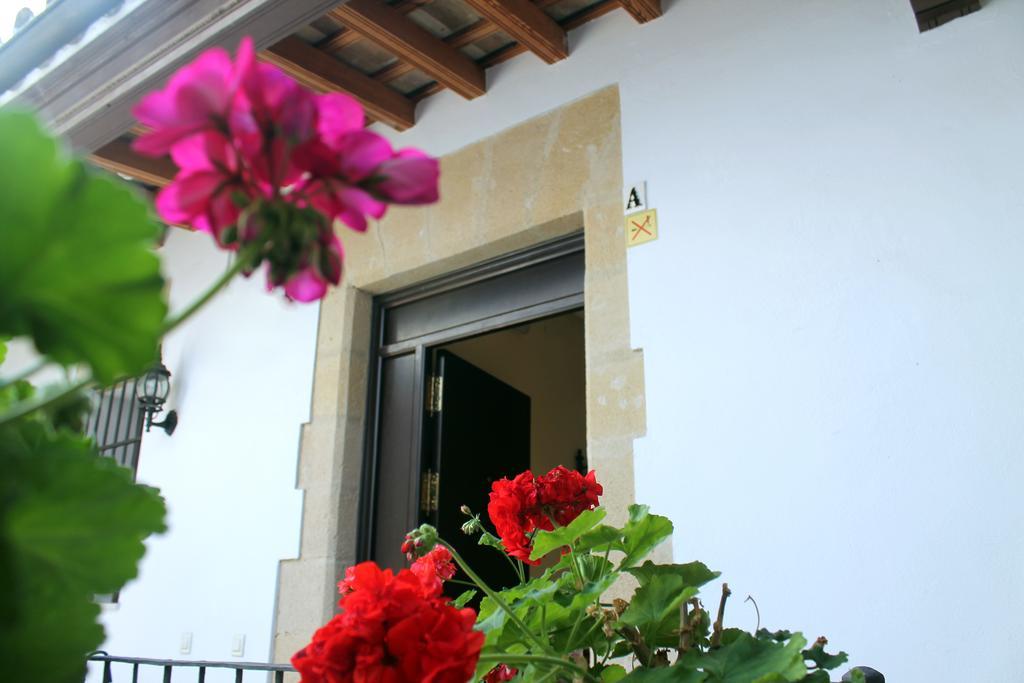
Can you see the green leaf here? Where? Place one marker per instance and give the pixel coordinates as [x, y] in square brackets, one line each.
[489, 539]
[745, 659]
[464, 597]
[671, 674]
[72, 525]
[12, 393]
[546, 541]
[654, 609]
[77, 516]
[692, 573]
[642, 533]
[816, 653]
[3, 350]
[613, 674]
[601, 537]
[77, 270]
[780, 636]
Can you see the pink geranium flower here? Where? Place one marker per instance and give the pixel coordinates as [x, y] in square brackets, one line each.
[255, 147]
[334, 173]
[410, 177]
[196, 99]
[205, 193]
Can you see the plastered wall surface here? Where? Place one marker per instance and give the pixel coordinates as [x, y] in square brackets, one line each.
[832, 318]
[241, 380]
[831, 324]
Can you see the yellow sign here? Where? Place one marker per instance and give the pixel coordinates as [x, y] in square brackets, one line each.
[641, 227]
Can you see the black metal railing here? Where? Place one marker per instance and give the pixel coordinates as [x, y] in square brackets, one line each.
[170, 666]
[116, 423]
[279, 670]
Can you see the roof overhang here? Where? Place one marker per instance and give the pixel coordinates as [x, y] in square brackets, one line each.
[86, 95]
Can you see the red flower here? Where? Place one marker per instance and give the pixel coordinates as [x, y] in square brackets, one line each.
[525, 504]
[435, 567]
[500, 673]
[566, 493]
[393, 629]
[514, 512]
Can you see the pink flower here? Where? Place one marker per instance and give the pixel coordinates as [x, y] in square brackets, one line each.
[271, 116]
[323, 268]
[335, 172]
[337, 114]
[253, 146]
[305, 257]
[196, 99]
[205, 193]
[410, 177]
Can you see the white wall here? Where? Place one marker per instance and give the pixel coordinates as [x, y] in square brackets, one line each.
[833, 317]
[241, 382]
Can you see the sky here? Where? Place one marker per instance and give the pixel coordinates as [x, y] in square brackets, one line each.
[9, 10]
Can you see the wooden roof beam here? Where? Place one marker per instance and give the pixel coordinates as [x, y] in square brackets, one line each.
[642, 10]
[119, 157]
[413, 45]
[481, 28]
[320, 71]
[528, 25]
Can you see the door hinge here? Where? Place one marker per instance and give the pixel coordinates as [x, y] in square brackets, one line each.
[435, 394]
[430, 491]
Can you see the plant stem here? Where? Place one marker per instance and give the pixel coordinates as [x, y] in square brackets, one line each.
[26, 407]
[716, 632]
[241, 261]
[685, 629]
[489, 592]
[537, 659]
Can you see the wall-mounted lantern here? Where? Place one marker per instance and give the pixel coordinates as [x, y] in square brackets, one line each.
[152, 390]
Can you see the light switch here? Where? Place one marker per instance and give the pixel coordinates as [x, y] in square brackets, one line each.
[238, 645]
[186, 643]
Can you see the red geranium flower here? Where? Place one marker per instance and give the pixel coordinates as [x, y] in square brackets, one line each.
[514, 512]
[435, 567]
[522, 505]
[566, 493]
[393, 628]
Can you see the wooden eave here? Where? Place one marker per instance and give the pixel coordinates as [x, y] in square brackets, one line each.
[418, 48]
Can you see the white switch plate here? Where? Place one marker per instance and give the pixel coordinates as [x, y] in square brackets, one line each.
[186, 643]
[238, 645]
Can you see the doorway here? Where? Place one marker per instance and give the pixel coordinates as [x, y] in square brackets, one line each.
[479, 375]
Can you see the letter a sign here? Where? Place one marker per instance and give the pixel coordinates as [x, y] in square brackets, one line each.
[635, 197]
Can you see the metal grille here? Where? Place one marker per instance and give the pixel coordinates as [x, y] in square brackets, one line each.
[129, 669]
[116, 423]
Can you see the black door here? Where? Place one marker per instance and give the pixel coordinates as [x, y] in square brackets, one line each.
[481, 430]
[474, 438]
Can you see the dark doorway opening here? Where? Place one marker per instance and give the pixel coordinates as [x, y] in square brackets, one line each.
[477, 376]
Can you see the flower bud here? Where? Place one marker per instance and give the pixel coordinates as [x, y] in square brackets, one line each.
[419, 542]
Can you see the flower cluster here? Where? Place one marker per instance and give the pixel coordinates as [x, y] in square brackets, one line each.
[267, 166]
[525, 503]
[394, 628]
